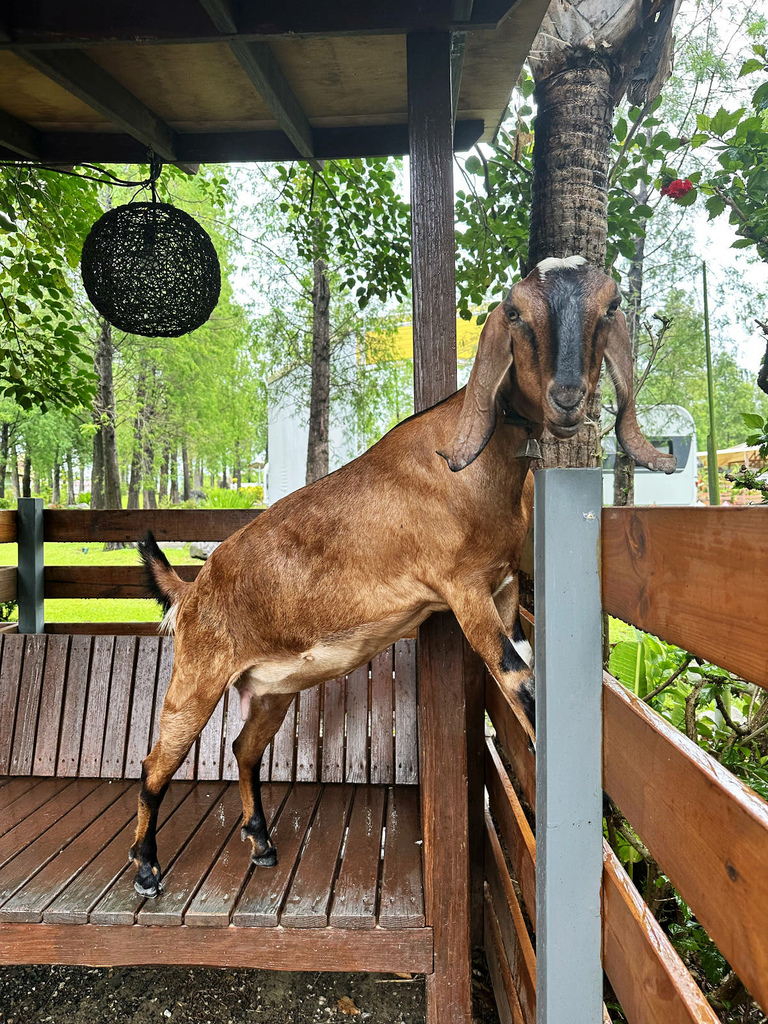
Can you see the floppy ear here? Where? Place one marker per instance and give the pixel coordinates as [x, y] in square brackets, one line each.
[477, 420]
[618, 359]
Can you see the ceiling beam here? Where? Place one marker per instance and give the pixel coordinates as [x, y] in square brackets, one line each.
[18, 136]
[244, 147]
[80, 76]
[462, 11]
[50, 24]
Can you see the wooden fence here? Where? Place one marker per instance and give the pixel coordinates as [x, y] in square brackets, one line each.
[111, 581]
[697, 577]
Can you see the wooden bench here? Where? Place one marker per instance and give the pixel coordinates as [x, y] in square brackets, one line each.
[77, 716]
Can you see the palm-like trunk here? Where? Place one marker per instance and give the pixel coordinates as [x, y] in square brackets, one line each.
[105, 486]
[582, 67]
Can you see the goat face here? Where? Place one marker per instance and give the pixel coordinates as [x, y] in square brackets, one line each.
[540, 352]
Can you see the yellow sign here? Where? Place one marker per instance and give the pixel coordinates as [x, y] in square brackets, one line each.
[399, 344]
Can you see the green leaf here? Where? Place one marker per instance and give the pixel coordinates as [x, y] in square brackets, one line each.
[752, 420]
[743, 243]
[628, 665]
[620, 130]
[643, 211]
[688, 199]
[753, 64]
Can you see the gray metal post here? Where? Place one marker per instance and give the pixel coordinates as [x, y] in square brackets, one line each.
[569, 857]
[29, 530]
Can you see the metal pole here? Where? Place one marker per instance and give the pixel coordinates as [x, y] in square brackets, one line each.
[714, 480]
[569, 856]
[29, 533]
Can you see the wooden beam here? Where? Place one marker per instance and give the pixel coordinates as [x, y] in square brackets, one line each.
[462, 11]
[259, 63]
[19, 137]
[79, 75]
[244, 147]
[51, 24]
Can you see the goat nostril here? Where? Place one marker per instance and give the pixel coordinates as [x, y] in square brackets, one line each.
[566, 398]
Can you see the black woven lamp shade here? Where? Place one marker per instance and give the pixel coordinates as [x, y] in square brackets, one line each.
[151, 269]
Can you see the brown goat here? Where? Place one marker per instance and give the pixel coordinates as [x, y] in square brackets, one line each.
[334, 573]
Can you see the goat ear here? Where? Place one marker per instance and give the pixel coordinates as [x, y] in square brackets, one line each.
[477, 419]
[618, 358]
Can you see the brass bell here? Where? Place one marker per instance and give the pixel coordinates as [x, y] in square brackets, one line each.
[530, 449]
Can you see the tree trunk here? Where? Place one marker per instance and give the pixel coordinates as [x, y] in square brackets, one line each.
[320, 389]
[26, 483]
[187, 489]
[15, 483]
[569, 211]
[174, 496]
[105, 490]
[56, 488]
[134, 487]
[5, 433]
[624, 471]
[82, 477]
[70, 479]
[164, 474]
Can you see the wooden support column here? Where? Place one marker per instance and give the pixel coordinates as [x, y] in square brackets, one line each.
[442, 706]
[30, 581]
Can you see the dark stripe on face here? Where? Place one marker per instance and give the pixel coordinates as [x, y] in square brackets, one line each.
[565, 302]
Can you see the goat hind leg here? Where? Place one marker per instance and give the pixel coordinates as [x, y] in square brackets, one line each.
[185, 711]
[265, 716]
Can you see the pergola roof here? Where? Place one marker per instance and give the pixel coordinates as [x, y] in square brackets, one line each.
[217, 80]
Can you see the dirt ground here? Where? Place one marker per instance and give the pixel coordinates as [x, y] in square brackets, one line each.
[77, 995]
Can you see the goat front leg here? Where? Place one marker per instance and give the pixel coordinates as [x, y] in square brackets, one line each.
[265, 716]
[186, 710]
[501, 644]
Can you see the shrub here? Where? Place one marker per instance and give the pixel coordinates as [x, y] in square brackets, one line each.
[246, 497]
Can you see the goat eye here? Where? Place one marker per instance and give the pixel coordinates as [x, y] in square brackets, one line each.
[512, 314]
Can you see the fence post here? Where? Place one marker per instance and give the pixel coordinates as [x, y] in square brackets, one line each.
[29, 529]
[567, 508]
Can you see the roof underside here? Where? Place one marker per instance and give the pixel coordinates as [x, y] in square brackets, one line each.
[218, 81]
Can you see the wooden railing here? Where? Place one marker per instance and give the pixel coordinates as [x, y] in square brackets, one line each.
[697, 578]
[108, 581]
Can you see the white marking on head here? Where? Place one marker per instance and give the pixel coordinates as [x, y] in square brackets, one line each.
[559, 263]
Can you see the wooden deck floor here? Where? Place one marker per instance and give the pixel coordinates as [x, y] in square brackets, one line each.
[349, 857]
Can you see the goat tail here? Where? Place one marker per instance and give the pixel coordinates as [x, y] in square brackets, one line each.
[163, 582]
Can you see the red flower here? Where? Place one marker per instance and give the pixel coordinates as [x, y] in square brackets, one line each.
[678, 188]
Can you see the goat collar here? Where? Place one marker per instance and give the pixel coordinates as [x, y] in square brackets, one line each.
[530, 448]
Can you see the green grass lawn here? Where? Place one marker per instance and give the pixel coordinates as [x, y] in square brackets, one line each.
[102, 609]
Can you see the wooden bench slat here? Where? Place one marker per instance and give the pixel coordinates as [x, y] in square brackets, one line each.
[334, 701]
[209, 745]
[28, 704]
[51, 704]
[693, 576]
[233, 723]
[308, 736]
[382, 718]
[121, 902]
[406, 718]
[62, 831]
[707, 830]
[73, 713]
[33, 897]
[164, 668]
[74, 904]
[260, 902]
[129, 525]
[27, 800]
[650, 980]
[190, 868]
[96, 708]
[356, 754]
[121, 686]
[10, 677]
[520, 957]
[402, 887]
[355, 889]
[515, 831]
[513, 739]
[309, 896]
[103, 628]
[284, 747]
[215, 900]
[144, 689]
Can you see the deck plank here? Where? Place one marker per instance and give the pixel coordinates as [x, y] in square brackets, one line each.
[261, 900]
[402, 887]
[309, 896]
[11, 788]
[215, 899]
[29, 902]
[73, 715]
[27, 801]
[190, 868]
[75, 903]
[122, 903]
[47, 845]
[356, 888]
[33, 825]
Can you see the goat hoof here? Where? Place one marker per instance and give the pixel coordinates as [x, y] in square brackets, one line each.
[147, 882]
[151, 892]
[265, 860]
